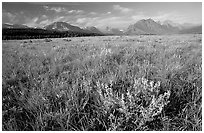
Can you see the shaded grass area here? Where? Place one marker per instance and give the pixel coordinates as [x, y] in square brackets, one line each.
[56, 86]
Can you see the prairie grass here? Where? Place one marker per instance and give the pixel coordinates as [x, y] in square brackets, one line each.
[137, 83]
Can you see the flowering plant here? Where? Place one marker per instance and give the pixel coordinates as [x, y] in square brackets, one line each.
[139, 104]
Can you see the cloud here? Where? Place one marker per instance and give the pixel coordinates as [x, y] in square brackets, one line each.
[121, 9]
[92, 13]
[7, 16]
[139, 16]
[44, 16]
[102, 22]
[45, 22]
[31, 22]
[42, 20]
[35, 19]
[49, 21]
[114, 22]
[76, 11]
[61, 18]
[56, 9]
[63, 10]
[81, 20]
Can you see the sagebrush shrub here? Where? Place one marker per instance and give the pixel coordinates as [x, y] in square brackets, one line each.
[139, 104]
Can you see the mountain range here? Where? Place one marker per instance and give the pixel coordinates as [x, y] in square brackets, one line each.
[192, 30]
[144, 26]
[62, 26]
[149, 26]
[92, 29]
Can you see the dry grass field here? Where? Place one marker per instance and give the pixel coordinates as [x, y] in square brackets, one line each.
[137, 83]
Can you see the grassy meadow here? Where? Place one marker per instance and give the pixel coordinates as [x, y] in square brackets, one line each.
[106, 83]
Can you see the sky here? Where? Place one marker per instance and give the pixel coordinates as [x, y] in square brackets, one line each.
[99, 14]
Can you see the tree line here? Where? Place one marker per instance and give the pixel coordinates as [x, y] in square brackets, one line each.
[18, 34]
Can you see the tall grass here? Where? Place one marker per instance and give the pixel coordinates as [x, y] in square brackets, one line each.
[118, 85]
